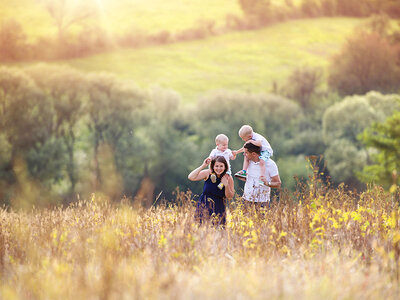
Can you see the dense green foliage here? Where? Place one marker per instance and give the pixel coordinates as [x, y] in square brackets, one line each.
[343, 122]
[72, 133]
[384, 138]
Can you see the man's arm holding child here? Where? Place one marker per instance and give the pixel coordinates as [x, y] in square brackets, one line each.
[274, 183]
[275, 180]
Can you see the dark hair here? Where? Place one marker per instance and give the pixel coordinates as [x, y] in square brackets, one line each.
[252, 148]
[219, 159]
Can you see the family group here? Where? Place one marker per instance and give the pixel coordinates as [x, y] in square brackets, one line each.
[259, 172]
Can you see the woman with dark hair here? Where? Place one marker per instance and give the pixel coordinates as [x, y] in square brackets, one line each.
[218, 186]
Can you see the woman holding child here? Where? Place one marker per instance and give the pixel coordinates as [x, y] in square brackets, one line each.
[218, 186]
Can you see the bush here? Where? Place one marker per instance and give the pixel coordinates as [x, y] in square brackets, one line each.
[292, 168]
[133, 38]
[392, 8]
[343, 122]
[310, 8]
[12, 41]
[365, 63]
[352, 8]
[161, 37]
[344, 160]
[92, 40]
[203, 29]
[302, 84]
[259, 9]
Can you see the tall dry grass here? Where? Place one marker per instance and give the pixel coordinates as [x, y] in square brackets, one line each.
[315, 244]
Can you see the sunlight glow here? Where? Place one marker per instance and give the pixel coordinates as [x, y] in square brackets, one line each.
[104, 20]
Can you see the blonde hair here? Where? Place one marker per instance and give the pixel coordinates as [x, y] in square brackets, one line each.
[245, 130]
[220, 138]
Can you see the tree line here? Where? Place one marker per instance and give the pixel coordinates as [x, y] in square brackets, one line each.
[71, 133]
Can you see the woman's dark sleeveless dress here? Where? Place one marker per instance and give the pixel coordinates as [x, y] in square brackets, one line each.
[212, 200]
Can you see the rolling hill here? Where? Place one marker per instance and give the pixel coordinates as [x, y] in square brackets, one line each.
[245, 60]
[242, 60]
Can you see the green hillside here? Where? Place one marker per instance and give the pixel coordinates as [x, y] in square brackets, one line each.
[244, 60]
[247, 60]
[121, 16]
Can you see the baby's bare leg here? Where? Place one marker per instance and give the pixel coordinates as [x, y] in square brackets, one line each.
[245, 163]
[262, 171]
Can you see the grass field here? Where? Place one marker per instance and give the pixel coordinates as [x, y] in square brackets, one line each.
[120, 16]
[32, 16]
[330, 245]
[246, 61]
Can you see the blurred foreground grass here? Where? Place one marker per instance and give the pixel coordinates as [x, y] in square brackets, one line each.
[328, 244]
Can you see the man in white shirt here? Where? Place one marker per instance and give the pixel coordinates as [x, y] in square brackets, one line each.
[255, 191]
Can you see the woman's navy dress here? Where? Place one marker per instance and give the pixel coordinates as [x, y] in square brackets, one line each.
[212, 200]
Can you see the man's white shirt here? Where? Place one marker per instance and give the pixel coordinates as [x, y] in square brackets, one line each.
[253, 190]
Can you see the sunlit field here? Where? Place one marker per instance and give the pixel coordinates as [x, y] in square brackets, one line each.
[34, 18]
[243, 60]
[246, 61]
[328, 244]
[106, 109]
[121, 16]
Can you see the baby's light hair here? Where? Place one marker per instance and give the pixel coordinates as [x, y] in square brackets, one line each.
[245, 130]
[220, 138]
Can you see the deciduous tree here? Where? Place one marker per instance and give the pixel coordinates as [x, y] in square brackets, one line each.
[112, 109]
[12, 41]
[66, 13]
[342, 124]
[367, 62]
[65, 90]
[384, 138]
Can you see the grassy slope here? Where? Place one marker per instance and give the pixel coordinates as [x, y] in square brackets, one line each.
[30, 14]
[249, 60]
[120, 16]
[172, 15]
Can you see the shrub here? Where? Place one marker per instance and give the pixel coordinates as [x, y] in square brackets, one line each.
[365, 63]
[259, 9]
[12, 41]
[310, 8]
[302, 84]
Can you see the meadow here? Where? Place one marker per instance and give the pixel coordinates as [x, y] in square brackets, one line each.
[244, 61]
[316, 243]
[249, 60]
[121, 16]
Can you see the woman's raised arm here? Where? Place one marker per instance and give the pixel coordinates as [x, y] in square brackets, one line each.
[198, 173]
